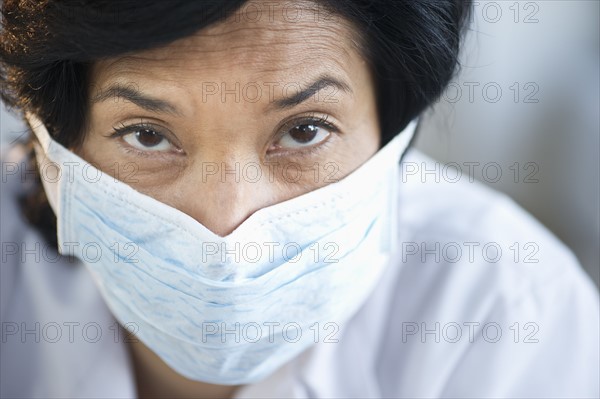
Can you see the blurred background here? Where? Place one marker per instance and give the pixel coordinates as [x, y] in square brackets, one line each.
[526, 103]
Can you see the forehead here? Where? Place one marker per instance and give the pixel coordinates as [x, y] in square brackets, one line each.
[283, 42]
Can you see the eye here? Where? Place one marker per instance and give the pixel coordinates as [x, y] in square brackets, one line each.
[145, 138]
[305, 135]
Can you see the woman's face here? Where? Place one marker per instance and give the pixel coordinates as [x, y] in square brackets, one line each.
[247, 113]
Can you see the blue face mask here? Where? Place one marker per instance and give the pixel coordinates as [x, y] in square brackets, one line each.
[228, 310]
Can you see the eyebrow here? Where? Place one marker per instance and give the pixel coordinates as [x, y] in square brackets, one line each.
[117, 90]
[132, 94]
[321, 83]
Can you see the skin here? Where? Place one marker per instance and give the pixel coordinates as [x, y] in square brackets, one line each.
[173, 155]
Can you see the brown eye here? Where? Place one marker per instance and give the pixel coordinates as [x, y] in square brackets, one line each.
[147, 140]
[304, 135]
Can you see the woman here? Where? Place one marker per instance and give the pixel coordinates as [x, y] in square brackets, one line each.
[226, 173]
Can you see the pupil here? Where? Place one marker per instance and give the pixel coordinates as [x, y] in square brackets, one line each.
[148, 138]
[304, 133]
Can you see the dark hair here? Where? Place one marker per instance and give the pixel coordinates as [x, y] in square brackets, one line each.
[48, 46]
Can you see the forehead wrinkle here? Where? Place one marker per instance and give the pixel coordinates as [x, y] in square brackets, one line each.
[133, 74]
[239, 40]
[216, 40]
[253, 53]
[289, 59]
[247, 50]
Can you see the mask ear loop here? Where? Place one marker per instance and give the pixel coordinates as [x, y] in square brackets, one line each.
[39, 130]
[394, 212]
[419, 123]
[42, 149]
[391, 224]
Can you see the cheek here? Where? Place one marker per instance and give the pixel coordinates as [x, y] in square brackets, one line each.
[363, 143]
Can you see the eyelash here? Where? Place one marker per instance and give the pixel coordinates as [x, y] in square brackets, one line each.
[123, 130]
[311, 119]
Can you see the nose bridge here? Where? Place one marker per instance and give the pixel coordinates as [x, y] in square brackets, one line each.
[224, 192]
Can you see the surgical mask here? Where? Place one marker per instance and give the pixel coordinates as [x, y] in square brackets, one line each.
[228, 310]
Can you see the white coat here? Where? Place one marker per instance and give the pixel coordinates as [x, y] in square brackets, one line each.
[479, 301]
